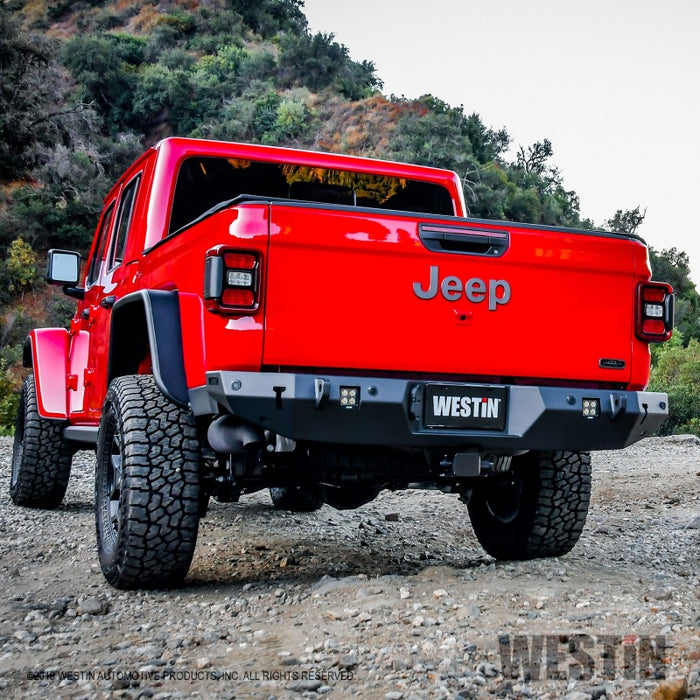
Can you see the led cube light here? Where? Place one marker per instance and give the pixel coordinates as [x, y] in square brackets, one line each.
[349, 396]
[591, 408]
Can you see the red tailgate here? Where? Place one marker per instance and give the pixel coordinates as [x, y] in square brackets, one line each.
[348, 289]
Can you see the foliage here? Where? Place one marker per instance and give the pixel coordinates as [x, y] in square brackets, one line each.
[14, 329]
[673, 266]
[22, 92]
[626, 221]
[431, 132]
[231, 69]
[63, 209]
[9, 400]
[487, 145]
[163, 94]
[21, 266]
[35, 114]
[657, 349]
[677, 372]
[538, 195]
[319, 62]
[268, 17]
[47, 307]
[291, 119]
[105, 68]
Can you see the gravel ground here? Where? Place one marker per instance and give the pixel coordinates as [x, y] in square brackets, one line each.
[394, 600]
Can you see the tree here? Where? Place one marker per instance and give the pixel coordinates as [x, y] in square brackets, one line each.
[626, 221]
[430, 132]
[104, 65]
[33, 113]
[537, 194]
[61, 207]
[268, 17]
[673, 266]
[162, 95]
[318, 61]
[21, 93]
[533, 159]
[487, 145]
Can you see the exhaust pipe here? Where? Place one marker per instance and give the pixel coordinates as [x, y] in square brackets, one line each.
[227, 436]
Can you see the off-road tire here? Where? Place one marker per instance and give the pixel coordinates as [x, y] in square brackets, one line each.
[41, 458]
[297, 499]
[536, 509]
[146, 486]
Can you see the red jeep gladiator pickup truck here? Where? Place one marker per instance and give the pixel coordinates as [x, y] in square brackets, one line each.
[327, 327]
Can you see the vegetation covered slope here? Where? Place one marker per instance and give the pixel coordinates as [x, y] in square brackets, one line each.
[86, 86]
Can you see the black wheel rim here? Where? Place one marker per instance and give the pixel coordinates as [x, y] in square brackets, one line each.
[114, 479]
[18, 447]
[504, 498]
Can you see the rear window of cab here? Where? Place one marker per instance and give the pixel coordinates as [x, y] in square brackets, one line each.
[204, 183]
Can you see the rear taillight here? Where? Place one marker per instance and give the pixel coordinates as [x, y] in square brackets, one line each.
[232, 281]
[654, 322]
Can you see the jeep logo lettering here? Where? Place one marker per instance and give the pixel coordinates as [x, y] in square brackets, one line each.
[475, 289]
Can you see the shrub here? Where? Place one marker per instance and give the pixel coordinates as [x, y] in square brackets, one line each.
[677, 372]
[9, 401]
[21, 266]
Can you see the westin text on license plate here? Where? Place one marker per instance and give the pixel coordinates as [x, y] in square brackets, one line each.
[463, 406]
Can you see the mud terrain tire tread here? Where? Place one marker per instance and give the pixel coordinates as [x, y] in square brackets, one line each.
[41, 458]
[149, 537]
[549, 512]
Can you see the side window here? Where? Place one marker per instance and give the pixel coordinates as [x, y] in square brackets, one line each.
[126, 209]
[95, 264]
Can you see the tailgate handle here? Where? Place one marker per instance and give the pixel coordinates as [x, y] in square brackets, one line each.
[468, 241]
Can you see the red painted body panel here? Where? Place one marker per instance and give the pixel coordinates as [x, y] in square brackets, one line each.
[80, 345]
[178, 263]
[192, 318]
[347, 281]
[50, 362]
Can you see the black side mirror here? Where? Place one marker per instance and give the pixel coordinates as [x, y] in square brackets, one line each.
[64, 268]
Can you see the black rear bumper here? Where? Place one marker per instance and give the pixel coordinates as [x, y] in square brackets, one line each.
[392, 412]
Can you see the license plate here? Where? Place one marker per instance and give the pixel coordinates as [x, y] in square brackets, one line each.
[464, 406]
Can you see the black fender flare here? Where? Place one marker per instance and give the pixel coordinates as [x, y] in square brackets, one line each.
[149, 316]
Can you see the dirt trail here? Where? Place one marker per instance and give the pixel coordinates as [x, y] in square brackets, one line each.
[393, 600]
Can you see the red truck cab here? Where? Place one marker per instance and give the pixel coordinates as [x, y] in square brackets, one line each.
[328, 326]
